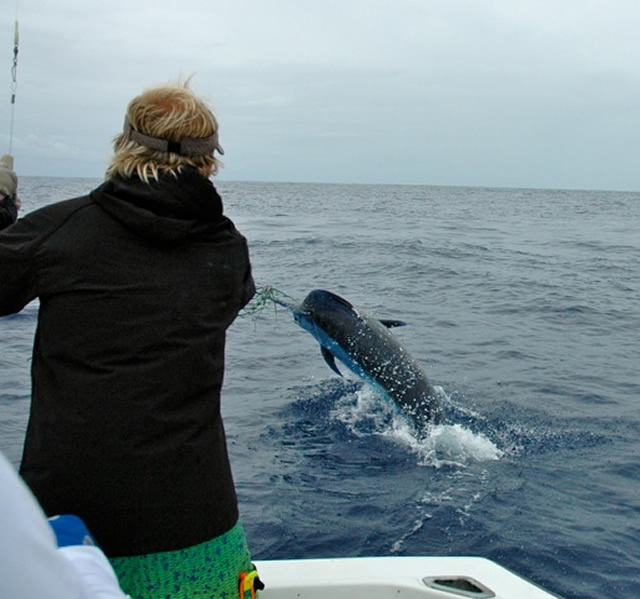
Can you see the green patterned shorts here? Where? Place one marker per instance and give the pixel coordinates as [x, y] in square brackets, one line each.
[210, 570]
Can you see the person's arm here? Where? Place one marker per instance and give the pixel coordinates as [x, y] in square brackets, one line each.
[18, 285]
[8, 211]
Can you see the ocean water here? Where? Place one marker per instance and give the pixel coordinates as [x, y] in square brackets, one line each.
[523, 308]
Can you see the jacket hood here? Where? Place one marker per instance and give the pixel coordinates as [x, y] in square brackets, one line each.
[167, 210]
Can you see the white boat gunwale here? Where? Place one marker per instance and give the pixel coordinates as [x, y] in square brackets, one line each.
[393, 577]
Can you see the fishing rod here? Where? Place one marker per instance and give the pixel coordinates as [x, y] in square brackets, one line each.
[14, 81]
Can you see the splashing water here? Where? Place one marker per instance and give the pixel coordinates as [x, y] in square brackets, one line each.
[455, 445]
[364, 413]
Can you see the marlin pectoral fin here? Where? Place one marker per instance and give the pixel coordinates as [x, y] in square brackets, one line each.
[329, 358]
[393, 323]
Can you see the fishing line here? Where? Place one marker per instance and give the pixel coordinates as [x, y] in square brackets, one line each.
[14, 78]
[261, 300]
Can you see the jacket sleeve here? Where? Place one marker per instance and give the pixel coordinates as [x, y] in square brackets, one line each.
[8, 212]
[18, 281]
[248, 286]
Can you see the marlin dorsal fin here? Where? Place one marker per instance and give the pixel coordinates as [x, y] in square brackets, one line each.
[330, 359]
[393, 323]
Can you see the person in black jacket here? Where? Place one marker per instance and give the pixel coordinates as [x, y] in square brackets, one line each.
[9, 202]
[138, 282]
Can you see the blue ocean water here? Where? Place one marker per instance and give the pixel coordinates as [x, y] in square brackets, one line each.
[522, 307]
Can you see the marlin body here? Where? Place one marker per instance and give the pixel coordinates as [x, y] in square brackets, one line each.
[368, 348]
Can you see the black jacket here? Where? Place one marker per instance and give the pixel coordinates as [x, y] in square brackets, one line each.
[8, 212]
[137, 285]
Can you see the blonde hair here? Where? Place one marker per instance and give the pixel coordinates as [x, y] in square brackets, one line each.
[168, 112]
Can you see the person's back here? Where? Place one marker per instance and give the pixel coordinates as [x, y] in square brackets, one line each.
[138, 282]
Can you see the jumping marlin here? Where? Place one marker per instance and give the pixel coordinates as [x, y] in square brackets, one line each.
[367, 347]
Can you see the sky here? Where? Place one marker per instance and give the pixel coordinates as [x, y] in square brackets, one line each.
[504, 93]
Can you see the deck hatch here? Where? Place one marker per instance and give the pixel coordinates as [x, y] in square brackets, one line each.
[462, 586]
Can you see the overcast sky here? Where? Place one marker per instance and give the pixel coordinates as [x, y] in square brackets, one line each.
[517, 93]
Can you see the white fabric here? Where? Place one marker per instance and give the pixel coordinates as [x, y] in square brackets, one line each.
[94, 570]
[31, 565]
